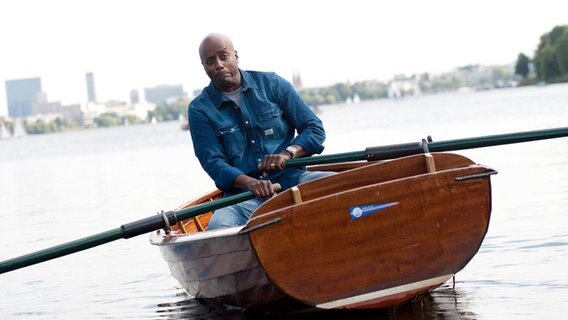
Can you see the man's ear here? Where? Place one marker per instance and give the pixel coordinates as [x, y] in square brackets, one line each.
[236, 55]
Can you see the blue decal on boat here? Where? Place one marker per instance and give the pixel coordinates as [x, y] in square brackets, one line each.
[361, 211]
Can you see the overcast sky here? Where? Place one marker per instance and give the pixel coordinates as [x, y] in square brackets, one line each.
[136, 44]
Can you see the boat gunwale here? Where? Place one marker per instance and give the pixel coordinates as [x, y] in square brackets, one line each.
[161, 238]
[279, 211]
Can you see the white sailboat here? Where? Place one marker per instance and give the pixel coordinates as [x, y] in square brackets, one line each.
[19, 130]
[4, 132]
[184, 124]
[394, 91]
[356, 98]
[416, 89]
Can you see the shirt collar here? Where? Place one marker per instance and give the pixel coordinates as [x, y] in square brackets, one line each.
[217, 96]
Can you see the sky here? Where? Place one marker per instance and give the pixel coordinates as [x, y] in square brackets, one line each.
[144, 43]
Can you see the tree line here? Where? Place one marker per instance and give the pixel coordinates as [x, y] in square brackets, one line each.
[108, 119]
[550, 61]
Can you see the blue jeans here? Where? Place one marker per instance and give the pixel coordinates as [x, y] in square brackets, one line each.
[238, 214]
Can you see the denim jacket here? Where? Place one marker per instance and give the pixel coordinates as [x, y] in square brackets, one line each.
[229, 140]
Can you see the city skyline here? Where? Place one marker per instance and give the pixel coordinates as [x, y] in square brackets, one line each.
[137, 44]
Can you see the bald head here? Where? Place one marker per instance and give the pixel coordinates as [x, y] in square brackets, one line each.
[215, 41]
[220, 61]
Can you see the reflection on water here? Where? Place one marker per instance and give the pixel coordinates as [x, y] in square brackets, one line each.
[185, 307]
[445, 302]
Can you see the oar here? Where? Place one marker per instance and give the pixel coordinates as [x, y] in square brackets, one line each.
[125, 231]
[371, 154]
[406, 149]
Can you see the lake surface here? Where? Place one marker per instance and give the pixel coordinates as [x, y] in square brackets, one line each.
[60, 187]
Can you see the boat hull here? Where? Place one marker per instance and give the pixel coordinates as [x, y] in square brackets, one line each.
[220, 266]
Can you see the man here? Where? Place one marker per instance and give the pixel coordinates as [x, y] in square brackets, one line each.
[246, 120]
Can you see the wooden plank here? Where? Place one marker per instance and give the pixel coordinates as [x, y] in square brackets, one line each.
[296, 195]
[361, 176]
[198, 223]
[430, 164]
[430, 227]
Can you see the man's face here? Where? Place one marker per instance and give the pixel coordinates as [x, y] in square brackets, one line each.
[220, 61]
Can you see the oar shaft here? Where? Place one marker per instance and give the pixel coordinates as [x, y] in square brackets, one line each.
[60, 250]
[498, 139]
[214, 205]
[405, 149]
[125, 231]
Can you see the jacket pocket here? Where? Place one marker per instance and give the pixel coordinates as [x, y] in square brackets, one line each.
[233, 143]
[273, 124]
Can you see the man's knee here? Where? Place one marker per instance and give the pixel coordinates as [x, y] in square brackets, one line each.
[232, 216]
[223, 218]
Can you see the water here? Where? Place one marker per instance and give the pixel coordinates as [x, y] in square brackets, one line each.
[60, 187]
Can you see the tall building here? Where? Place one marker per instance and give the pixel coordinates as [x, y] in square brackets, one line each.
[297, 81]
[91, 87]
[161, 94]
[22, 96]
[134, 97]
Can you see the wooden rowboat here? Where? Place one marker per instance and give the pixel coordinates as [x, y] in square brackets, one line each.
[375, 235]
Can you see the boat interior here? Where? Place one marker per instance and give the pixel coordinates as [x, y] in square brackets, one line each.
[425, 163]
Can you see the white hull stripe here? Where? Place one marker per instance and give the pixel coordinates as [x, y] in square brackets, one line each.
[416, 286]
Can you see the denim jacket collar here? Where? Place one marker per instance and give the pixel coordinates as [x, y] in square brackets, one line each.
[217, 96]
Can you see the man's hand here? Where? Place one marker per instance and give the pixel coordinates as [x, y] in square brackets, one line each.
[260, 188]
[272, 162]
